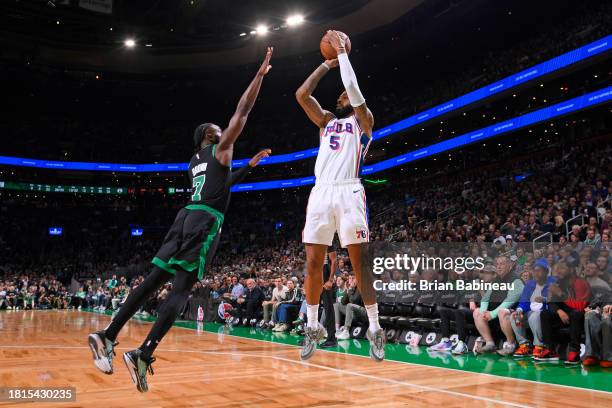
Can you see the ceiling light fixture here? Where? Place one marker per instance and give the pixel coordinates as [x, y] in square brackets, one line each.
[295, 19]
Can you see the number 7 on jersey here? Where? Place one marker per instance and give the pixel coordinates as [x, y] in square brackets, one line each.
[198, 183]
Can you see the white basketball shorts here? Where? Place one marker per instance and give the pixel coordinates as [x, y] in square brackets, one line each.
[338, 206]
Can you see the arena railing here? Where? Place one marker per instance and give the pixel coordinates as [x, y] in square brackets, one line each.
[513, 81]
[602, 206]
[567, 223]
[541, 238]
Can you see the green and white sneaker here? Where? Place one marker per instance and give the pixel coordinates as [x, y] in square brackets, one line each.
[138, 366]
[103, 351]
[377, 344]
[312, 337]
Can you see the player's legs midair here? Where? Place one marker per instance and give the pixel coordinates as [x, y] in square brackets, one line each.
[139, 361]
[181, 287]
[365, 284]
[313, 284]
[136, 299]
[102, 342]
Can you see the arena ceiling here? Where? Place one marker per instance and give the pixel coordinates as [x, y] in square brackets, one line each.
[172, 34]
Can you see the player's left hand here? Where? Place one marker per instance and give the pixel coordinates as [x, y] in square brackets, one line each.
[255, 160]
[265, 65]
[337, 40]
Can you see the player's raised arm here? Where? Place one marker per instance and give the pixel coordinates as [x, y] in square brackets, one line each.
[245, 104]
[349, 79]
[304, 96]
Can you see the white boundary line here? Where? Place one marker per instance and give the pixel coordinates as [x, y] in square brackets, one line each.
[336, 370]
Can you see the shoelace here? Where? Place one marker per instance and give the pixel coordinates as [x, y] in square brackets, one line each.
[379, 341]
[115, 344]
[150, 366]
[111, 352]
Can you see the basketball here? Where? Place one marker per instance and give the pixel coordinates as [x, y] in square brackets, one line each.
[328, 51]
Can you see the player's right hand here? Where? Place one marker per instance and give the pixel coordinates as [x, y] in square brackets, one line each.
[255, 160]
[332, 63]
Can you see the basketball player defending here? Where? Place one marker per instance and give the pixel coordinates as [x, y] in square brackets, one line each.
[337, 202]
[189, 245]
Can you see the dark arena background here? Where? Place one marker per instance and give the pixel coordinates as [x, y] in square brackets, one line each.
[492, 132]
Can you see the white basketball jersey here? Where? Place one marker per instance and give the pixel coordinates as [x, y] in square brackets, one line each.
[342, 148]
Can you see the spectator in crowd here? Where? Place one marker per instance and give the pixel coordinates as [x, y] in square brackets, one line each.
[29, 300]
[250, 303]
[593, 238]
[600, 289]
[598, 334]
[567, 300]
[499, 302]
[269, 306]
[2, 296]
[288, 306]
[78, 300]
[11, 298]
[349, 309]
[461, 313]
[527, 314]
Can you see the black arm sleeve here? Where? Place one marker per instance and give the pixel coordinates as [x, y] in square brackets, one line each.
[239, 175]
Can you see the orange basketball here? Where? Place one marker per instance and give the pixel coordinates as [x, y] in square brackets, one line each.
[328, 51]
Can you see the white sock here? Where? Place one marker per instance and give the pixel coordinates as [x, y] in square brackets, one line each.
[312, 314]
[337, 327]
[372, 311]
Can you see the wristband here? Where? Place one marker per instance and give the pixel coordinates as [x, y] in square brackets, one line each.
[325, 65]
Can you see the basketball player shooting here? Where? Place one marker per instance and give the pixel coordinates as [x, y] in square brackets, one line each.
[190, 244]
[337, 202]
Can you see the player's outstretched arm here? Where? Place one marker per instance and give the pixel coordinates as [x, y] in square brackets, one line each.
[245, 104]
[304, 96]
[349, 79]
[239, 175]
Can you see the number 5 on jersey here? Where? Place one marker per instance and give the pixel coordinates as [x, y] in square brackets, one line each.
[198, 183]
[334, 142]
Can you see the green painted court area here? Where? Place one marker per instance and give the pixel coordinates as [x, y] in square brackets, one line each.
[593, 378]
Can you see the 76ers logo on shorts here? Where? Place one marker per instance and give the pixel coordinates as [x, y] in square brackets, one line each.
[361, 233]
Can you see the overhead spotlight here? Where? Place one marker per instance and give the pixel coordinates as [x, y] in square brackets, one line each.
[148, 45]
[261, 29]
[243, 34]
[130, 43]
[253, 32]
[295, 19]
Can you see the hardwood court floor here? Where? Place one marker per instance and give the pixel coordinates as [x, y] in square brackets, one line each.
[198, 368]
